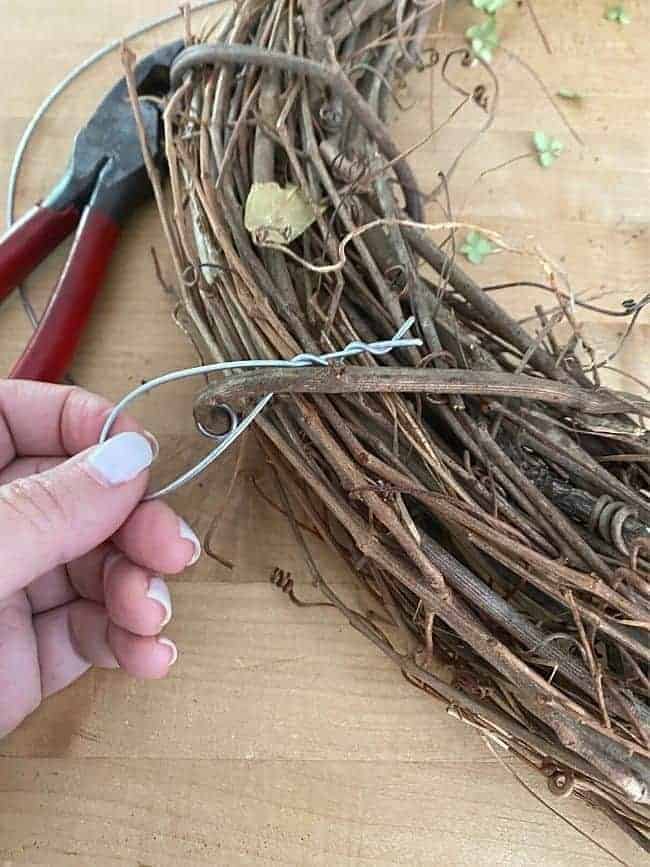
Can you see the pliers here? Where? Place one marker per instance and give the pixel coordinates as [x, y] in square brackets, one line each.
[105, 180]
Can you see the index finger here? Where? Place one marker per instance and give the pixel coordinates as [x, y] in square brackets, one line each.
[45, 420]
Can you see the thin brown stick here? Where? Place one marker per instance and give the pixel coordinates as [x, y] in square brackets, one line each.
[542, 34]
[339, 379]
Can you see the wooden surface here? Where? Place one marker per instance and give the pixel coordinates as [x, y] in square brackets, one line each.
[282, 737]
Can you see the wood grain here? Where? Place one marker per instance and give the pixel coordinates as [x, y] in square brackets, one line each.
[281, 737]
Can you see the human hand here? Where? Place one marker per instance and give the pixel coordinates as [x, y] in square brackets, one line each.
[80, 554]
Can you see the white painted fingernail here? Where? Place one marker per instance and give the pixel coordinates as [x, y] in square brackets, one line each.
[159, 592]
[120, 459]
[189, 535]
[172, 649]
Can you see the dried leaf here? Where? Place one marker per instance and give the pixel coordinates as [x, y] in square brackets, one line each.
[276, 214]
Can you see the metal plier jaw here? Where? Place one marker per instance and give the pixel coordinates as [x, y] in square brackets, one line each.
[104, 181]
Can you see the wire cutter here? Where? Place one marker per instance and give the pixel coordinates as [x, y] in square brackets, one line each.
[105, 180]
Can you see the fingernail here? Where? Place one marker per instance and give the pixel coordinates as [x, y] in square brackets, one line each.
[173, 650]
[153, 442]
[120, 459]
[110, 561]
[189, 535]
[159, 592]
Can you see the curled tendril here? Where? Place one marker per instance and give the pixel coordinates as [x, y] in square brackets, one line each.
[331, 117]
[396, 278]
[433, 59]
[608, 516]
[283, 581]
[561, 783]
[190, 276]
[480, 96]
[353, 168]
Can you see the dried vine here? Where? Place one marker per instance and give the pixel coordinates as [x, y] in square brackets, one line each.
[487, 493]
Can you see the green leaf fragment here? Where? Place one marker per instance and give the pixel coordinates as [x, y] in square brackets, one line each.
[485, 53]
[489, 6]
[567, 93]
[541, 140]
[483, 38]
[618, 14]
[276, 214]
[477, 247]
[548, 148]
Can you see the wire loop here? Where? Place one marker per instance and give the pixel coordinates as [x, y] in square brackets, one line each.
[238, 426]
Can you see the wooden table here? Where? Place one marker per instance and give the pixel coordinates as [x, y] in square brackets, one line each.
[281, 736]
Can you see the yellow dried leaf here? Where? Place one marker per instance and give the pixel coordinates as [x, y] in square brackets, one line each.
[276, 214]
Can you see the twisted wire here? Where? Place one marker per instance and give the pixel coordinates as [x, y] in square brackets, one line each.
[237, 428]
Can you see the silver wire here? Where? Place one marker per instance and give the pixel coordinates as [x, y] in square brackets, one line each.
[210, 435]
[53, 96]
[379, 347]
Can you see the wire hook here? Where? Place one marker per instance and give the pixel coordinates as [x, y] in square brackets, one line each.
[238, 426]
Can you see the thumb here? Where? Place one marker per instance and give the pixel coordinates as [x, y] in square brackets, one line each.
[59, 515]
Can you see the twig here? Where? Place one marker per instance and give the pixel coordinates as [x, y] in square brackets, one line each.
[544, 803]
[538, 26]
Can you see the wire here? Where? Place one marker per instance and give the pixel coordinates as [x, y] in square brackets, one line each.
[53, 96]
[380, 347]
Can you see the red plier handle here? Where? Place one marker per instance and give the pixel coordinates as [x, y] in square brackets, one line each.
[31, 240]
[50, 350]
[49, 353]
[105, 180]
